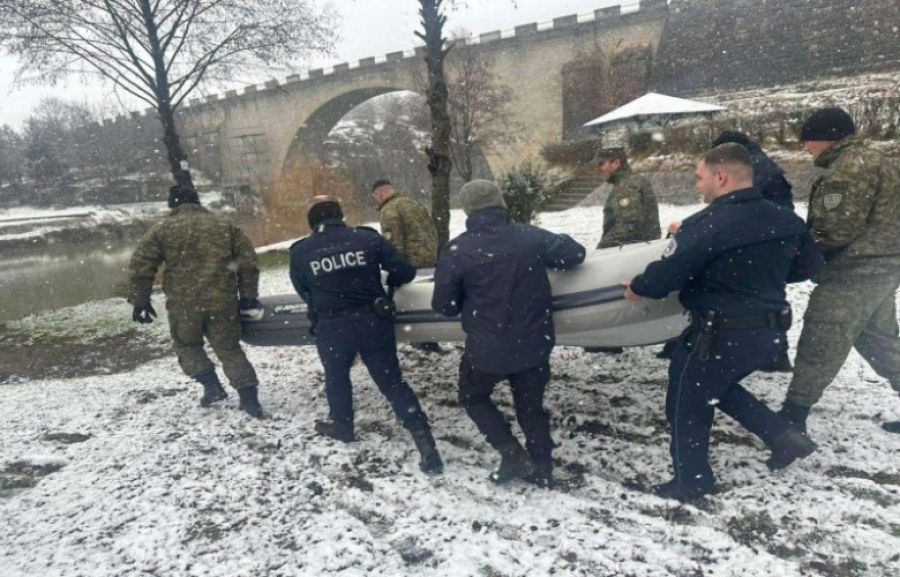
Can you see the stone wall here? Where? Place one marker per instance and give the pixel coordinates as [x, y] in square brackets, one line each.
[726, 44]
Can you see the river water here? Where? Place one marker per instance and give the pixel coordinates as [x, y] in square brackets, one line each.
[61, 276]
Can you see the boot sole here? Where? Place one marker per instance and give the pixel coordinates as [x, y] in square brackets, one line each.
[774, 465]
[523, 474]
[207, 404]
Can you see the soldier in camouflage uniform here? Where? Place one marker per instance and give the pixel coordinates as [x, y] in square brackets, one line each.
[407, 225]
[631, 213]
[854, 218]
[209, 263]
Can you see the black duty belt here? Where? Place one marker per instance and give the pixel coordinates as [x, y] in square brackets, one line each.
[770, 320]
[344, 312]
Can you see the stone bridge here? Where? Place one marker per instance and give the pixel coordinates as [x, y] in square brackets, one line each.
[263, 129]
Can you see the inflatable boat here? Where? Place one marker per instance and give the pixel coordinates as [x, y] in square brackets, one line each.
[589, 308]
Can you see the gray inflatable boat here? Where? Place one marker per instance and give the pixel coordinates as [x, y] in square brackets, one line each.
[588, 308]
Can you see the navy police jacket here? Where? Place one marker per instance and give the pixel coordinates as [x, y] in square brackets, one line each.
[769, 178]
[338, 267]
[734, 257]
[495, 275]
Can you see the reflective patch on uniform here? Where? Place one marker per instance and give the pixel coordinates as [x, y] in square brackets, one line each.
[833, 200]
[625, 202]
[387, 235]
[670, 250]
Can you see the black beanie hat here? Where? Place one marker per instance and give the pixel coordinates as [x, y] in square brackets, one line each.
[731, 136]
[829, 124]
[323, 211]
[179, 195]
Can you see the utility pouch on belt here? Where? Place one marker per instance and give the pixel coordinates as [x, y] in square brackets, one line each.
[707, 335]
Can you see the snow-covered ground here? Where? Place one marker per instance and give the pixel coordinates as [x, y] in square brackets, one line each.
[135, 479]
[34, 222]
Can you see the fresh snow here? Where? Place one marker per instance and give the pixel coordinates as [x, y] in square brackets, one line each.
[162, 487]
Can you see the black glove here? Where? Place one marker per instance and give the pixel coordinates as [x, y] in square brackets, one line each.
[249, 304]
[143, 314]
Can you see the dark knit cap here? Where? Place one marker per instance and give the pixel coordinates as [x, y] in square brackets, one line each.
[179, 195]
[379, 183]
[731, 136]
[322, 211]
[829, 124]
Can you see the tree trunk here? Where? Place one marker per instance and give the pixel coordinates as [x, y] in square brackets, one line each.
[178, 161]
[439, 163]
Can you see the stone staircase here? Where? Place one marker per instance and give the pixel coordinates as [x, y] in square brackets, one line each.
[573, 192]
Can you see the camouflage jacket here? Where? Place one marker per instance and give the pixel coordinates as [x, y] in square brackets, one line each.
[209, 262]
[631, 213]
[407, 225]
[854, 208]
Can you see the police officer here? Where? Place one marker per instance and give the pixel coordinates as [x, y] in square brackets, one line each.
[631, 213]
[770, 180]
[406, 224]
[337, 271]
[731, 262]
[210, 275]
[854, 218]
[495, 275]
[768, 177]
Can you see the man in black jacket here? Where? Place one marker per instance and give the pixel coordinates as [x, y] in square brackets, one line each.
[730, 262]
[495, 275]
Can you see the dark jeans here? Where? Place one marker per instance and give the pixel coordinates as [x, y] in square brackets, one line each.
[697, 388]
[338, 342]
[475, 389]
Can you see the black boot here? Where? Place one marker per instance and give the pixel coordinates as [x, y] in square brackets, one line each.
[515, 464]
[430, 460]
[780, 364]
[427, 347]
[789, 447]
[684, 493]
[542, 476]
[212, 389]
[891, 427]
[796, 414]
[250, 402]
[337, 431]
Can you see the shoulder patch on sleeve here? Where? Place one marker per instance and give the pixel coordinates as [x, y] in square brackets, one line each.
[670, 249]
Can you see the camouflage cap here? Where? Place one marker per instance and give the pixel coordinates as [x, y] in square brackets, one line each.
[617, 153]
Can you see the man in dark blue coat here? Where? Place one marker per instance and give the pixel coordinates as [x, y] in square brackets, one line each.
[337, 271]
[495, 275]
[731, 262]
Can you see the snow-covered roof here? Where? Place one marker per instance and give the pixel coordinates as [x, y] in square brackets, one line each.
[653, 104]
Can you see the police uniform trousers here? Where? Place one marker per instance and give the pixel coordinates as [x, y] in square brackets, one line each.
[528, 387]
[222, 329]
[338, 342]
[697, 387]
[847, 310]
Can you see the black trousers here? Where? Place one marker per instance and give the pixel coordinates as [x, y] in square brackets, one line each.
[528, 387]
[698, 387]
[339, 341]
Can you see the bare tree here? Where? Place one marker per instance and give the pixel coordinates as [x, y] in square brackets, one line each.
[159, 51]
[439, 161]
[479, 108]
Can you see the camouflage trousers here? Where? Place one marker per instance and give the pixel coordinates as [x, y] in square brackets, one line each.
[222, 330]
[852, 311]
